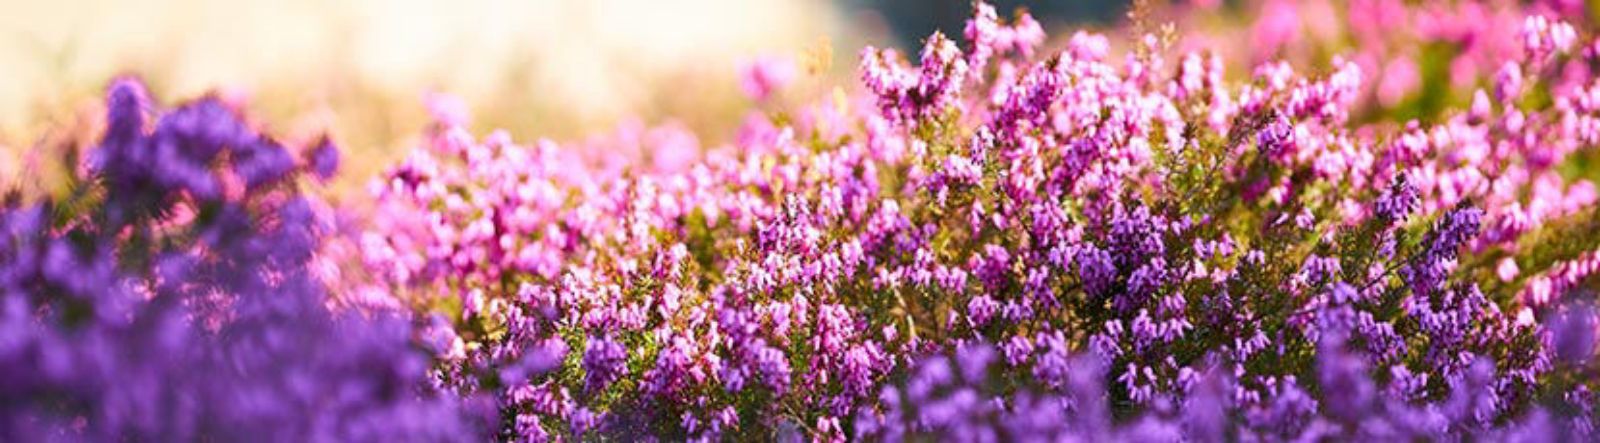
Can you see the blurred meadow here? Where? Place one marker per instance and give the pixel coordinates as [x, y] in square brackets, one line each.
[359, 70]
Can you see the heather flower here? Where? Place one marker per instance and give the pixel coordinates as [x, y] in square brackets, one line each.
[1275, 138]
[1095, 270]
[1425, 274]
[1154, 251]
[207, 327]
[905, 94]
[764, 75]
[989, 37]
[261, 163]
[1398, 202]
[1350, 391]
[1573, 334]
[324, 159]
[1543, 38]
[603, 358]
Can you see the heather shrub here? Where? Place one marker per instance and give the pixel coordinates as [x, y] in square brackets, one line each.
[1006, 237]
[168, 296]
[1112, 246]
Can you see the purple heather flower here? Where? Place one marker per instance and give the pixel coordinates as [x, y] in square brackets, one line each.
[214, 327]
[1398, 202]
[603, 360]
[981, 309]
[1426, 272]
[1572, 333]
[324, 159]
[1135, 238]
[773, 367]
[127, 110]
[1274, 140]
[1348, 390]
[1096, 270]
[973, 361]
[261, 163]
[904, 94]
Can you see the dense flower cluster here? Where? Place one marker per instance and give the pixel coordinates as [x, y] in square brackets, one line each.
[170, 297]
[1120, 239]
[952, 399]
[998, 242]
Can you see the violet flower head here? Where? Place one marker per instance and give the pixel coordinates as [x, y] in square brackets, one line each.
[1205, 415]
[127, 109]
[603, 360]
[989, 37]
[1398, 202]
[324, 159]
[1427, 269]
[1274, 140]
[1096, 270]
[261, 163]
[1136, 237]
[1573, 332]
[773, 366]
[1348, 390]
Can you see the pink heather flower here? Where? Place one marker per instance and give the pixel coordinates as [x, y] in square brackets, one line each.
[673, 147]
[1088, 47]
[1400, 78]
[447, 109]
[1507, 270]
[1543, 38]
[1508, 82]
[1277, 25]
[764, 75]
[911, 95]
[1551, 286]
[988, 37]
[1481, 107]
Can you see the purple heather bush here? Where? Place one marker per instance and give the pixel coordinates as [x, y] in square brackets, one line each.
[169, 297]
[999, 242]
[1010, 237]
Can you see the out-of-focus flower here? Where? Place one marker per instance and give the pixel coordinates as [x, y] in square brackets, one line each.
[762, 76]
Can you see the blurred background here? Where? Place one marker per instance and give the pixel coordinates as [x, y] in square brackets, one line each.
[359, 69]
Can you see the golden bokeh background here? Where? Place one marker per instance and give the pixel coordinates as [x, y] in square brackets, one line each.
[359, 69]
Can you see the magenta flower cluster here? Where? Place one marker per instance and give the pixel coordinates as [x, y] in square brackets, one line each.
[1111, 247]
[1009, 238]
